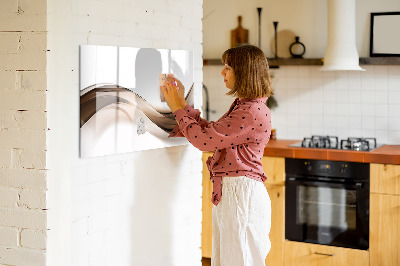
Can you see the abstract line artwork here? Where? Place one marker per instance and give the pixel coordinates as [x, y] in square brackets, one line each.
[121, 105]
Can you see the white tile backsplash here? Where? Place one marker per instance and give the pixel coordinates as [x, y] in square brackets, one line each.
[345, 103]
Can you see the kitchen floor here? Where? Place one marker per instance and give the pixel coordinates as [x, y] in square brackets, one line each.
[206, 261]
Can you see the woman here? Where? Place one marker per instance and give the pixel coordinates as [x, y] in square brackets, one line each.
[242, 211]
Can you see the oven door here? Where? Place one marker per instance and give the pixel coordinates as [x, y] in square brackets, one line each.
[327, 213]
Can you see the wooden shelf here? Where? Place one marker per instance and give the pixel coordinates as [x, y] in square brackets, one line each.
[274, 63]
[380, 61]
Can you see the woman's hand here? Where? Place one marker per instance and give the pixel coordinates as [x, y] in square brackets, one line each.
[181, 92]
[174, 94]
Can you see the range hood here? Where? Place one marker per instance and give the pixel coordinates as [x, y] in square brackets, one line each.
[341, 51]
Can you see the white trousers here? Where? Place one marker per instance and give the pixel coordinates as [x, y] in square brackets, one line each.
[241, 223]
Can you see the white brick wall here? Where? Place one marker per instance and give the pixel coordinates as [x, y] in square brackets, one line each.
[140, 208]
[23, 132]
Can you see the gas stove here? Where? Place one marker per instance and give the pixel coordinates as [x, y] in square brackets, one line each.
[332, 142]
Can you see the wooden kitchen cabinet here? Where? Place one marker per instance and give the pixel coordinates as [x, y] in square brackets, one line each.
[385, 215]
[206, 225]
[274, 168]
[305, 254]
[277, 233]
[385, 178]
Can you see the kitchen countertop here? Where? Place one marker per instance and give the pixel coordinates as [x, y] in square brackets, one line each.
[389, 154]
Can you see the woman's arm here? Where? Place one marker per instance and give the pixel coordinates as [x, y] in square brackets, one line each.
[174, 96]
[238, 128]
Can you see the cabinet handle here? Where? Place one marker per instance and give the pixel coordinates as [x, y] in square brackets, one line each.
[324, 254]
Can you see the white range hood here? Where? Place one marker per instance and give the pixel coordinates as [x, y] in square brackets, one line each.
[341, 51]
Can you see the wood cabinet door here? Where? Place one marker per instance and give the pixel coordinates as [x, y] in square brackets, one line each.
[304, 254]
[277, 233]
[274, 168]
[206, 226]
[384, 236]
[385, 178]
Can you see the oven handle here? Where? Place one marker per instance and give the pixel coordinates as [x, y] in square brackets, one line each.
[357, 185]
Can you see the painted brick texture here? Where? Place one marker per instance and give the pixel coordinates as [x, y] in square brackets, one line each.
[141, 208]
[23, 126]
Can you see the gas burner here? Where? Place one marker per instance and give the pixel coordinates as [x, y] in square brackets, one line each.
[358, 144]
[327, 142]
[332, 142]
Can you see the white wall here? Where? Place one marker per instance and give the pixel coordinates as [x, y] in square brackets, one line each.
[141, 208]
[23, 133]
[306, 19]
[311, 102]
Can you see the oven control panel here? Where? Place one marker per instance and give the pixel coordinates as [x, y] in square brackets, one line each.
[337, 169]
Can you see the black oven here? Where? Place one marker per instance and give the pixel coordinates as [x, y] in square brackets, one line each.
[327, 202]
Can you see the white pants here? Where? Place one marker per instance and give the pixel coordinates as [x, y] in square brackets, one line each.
[241, 223]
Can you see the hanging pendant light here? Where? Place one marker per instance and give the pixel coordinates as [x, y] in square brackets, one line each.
[341, 51]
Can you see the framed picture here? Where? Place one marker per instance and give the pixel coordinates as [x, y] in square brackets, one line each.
[385, 37]
[121, 105]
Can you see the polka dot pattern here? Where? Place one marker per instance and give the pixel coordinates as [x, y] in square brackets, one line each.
[238, 139]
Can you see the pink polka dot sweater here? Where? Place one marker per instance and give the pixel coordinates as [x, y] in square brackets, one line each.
[238, 139]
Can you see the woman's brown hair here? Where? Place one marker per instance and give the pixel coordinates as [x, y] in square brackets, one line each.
[250, 66]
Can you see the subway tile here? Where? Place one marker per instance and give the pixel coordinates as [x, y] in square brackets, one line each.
[367, 96]
[380, 84]
[368, 122]
[394, 71]
[316, 72]
[291, 71]
[328, 74]
[394, 97]
[304, 72]
[342, 96]
[367, 83]
[342, 109]
[394, 123]
[342, 122]
[317, 131]
[354, 83]
[394, 137]
[394, 82]
[355, 122]
[342, 80]
[367, 110]
[355, 109]
[394, 110]
[381, 110]
[329, 122]
[292, 82]
[382, 136]
[329, 109]
[303, 82]
[380, 71]
[317, 121]
[355, 132]
[329, 94]
[317, 95]
[316, 83]
[317, 107]
[367, 133]
[381, 123]
[355, 96]
[380, 97]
